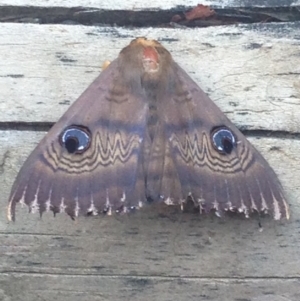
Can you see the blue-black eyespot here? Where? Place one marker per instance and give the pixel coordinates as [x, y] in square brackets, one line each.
[76, 139]
[223, 140]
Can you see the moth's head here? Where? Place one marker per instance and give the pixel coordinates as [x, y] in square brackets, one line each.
[148, 60]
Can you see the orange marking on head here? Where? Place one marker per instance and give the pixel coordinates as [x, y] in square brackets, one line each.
[150, 59]
[150, 53]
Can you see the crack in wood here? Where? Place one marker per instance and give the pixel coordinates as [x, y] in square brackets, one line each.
[46, 126]
[145, 18]
[153, 277]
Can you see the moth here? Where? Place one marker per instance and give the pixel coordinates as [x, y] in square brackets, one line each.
[144, 131]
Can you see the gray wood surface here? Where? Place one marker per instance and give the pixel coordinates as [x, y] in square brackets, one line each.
[160, 253]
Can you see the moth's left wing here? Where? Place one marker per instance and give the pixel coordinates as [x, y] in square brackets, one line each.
[216, 165]
[89, 162]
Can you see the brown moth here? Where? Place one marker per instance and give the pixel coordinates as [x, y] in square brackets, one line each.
[144, 131]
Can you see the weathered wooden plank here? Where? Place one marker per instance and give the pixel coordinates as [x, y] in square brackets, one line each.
[154, 4]
[252, 72]
[28, 287]
[44, 68]
[157, 254]
[154, 241]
